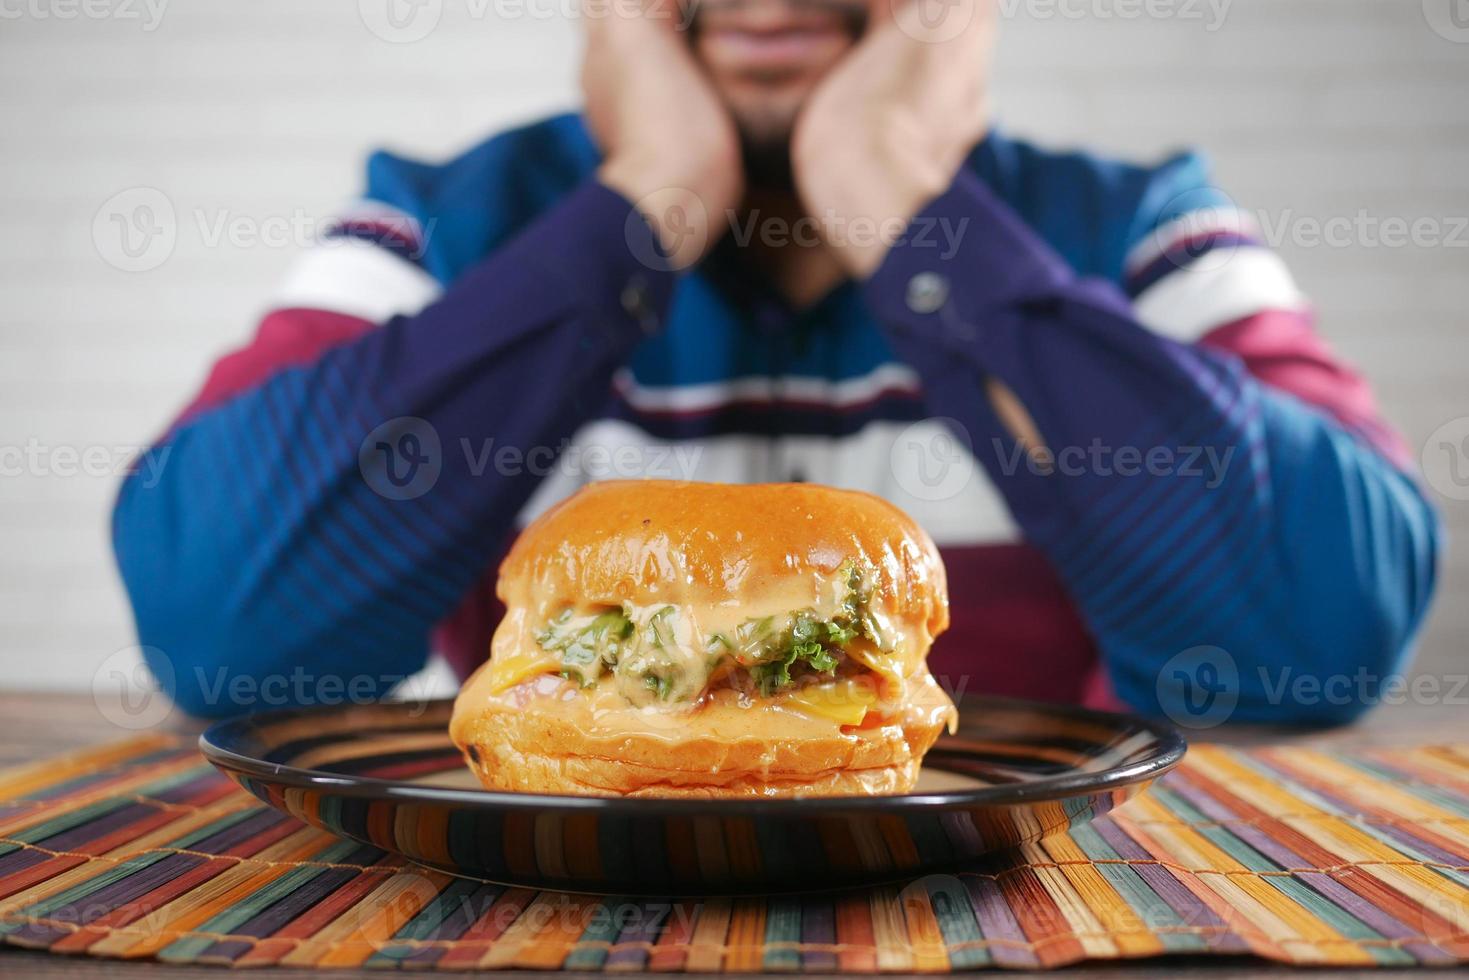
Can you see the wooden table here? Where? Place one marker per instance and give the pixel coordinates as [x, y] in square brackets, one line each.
[34, 725]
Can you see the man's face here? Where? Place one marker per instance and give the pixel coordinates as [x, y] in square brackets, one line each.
[764, 57]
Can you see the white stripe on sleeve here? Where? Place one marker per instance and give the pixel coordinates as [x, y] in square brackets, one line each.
[1216, 289]
[356, 277]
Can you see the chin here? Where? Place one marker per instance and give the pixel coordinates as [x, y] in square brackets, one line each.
[766, 127]
[765, 113]
[672, 639]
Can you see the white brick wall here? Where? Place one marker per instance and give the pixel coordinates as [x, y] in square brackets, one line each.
[1316, 108]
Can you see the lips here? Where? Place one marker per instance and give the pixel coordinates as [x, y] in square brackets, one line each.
[772, 39]
[770, 52]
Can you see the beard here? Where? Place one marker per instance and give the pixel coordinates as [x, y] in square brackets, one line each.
[766, 152]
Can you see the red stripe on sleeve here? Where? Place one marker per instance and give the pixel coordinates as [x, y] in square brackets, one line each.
[1282, 349]
[286, 338]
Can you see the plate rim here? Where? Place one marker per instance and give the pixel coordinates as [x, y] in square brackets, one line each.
[1166, 754]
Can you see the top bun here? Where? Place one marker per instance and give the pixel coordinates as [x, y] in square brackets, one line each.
[752, 549]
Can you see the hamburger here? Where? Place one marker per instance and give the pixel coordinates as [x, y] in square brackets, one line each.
[679, 639]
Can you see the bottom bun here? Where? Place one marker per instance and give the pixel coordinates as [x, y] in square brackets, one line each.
[547, 736]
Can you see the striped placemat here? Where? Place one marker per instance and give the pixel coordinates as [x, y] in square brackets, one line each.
[139, 849]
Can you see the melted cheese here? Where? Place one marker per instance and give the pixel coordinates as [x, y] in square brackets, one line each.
[509, 668]
[884, 665]
[844, 702]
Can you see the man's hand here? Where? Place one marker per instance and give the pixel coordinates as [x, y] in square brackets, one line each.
[887, 129]
[668, 143]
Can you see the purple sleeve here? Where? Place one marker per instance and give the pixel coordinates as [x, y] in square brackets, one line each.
[1193, 512]
[328, 517]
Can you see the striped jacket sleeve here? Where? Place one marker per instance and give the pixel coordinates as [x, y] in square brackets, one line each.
[1219, 494]
[340, 482]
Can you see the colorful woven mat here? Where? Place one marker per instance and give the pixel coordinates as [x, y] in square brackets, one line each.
[140, 849]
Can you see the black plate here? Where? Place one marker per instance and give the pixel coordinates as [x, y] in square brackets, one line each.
[388, 775]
